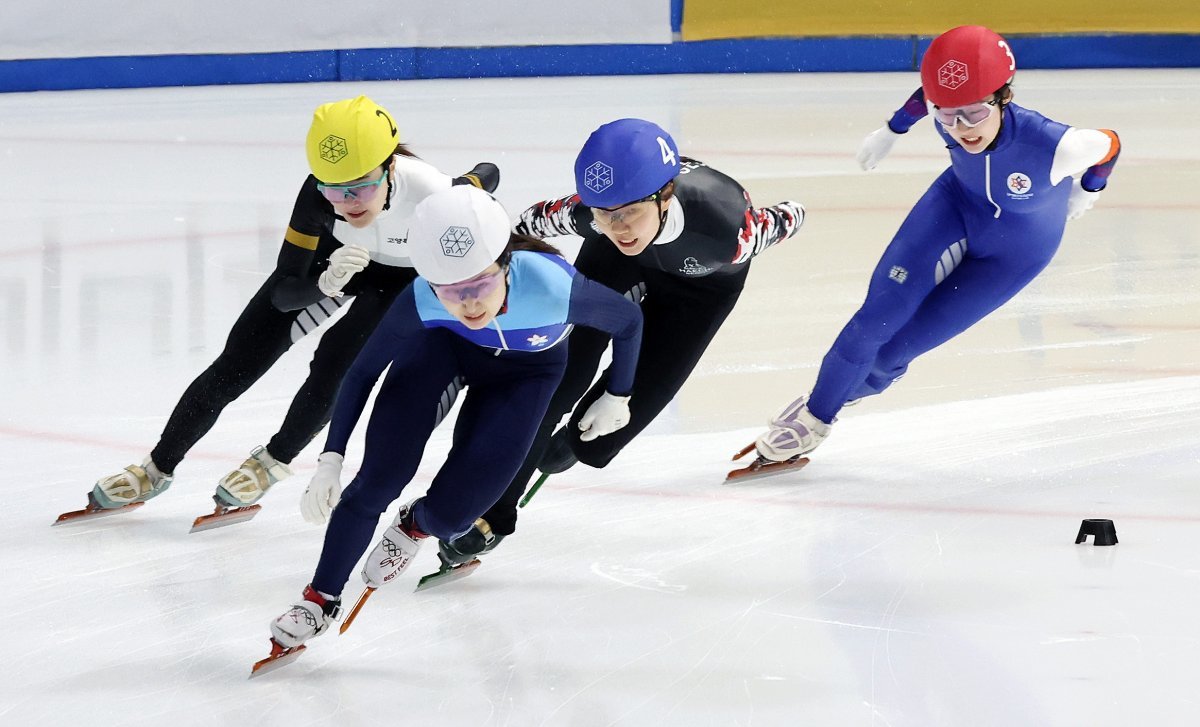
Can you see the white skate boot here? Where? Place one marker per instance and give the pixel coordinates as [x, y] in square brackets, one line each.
[309, 617]
[794, 432]
[134, 484]
[390, 558]
[395, 551]
[247, 484]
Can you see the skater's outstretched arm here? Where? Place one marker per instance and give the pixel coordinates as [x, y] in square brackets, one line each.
[879, 142]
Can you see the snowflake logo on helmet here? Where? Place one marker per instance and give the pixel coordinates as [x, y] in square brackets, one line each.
[333, 149]
[598, 177]
[456, 241]
[953, 74]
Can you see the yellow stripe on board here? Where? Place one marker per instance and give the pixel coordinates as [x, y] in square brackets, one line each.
[710, 19]
[308, 242]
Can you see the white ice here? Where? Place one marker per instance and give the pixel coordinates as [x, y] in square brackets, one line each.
[922, 571]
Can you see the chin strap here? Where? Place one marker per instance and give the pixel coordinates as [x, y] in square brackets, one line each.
[662, 219]
[391, 188]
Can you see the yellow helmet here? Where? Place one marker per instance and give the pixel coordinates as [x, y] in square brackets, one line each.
[349, 138]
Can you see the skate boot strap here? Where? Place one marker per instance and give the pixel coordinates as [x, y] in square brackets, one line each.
[135, 482]
[406, 522]
[265, 467]
[250, 482]
[330, 606]
[142, 483]
[485, 530]
[411, 530]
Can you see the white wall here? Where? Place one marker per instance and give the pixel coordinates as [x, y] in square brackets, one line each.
[82, 28]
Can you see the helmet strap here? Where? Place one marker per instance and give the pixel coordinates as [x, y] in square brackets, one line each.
[662, 215]
[507, 288]
[999, 131]
[387, 171]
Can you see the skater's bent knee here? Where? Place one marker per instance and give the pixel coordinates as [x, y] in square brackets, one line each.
[361, 502]
[597, 457]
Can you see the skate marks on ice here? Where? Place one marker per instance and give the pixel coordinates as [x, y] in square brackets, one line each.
[636, 578]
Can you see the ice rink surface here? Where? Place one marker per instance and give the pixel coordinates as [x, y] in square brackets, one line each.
[921, 571]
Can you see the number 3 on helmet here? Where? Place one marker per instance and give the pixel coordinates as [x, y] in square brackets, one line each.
[965, 65]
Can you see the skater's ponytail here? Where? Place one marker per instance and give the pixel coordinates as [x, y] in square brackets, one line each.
[518, 241]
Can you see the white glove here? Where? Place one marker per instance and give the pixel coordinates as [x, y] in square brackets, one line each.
[875, 147]
[605, 416]
[324, 490]
[1080, 200]
[343, 263]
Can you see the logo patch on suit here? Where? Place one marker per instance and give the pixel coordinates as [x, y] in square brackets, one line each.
[1020, 186]
[692, 266]
[898, 274]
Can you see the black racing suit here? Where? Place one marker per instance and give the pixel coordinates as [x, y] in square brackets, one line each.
[687, 281]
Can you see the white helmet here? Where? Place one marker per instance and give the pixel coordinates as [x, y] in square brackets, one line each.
[456, 234]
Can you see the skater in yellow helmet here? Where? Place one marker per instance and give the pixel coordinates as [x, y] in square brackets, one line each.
[346, 244]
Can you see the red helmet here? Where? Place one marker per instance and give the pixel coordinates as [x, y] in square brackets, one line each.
[964, 65]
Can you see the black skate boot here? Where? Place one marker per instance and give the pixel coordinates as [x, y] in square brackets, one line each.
[458, 556]
[558, 456]
[478, 540]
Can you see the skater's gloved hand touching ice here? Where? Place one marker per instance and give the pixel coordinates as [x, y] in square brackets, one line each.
[344, 262]
[324, 491]
[605, 416]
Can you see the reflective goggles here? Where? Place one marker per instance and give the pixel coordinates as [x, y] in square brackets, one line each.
[970, 115]
[479, 286]
[626, 213]
[361, 191]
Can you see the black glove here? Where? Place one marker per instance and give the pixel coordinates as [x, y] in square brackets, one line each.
[485, 175]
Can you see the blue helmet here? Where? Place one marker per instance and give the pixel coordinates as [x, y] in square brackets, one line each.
[624, 161]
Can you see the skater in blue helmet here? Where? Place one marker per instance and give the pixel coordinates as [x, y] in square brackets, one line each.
[667, 231]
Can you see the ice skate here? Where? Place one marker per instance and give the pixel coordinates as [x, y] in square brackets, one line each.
[558, 457]
[239, 490]
[121, 493]
[310, 617]
[395, 550]
[399, 545]
[533, 490]
[761, 466]
[794, 433]
[247, 484]
[459, 556]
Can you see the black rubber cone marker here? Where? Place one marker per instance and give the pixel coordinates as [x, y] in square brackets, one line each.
[1103, 532]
